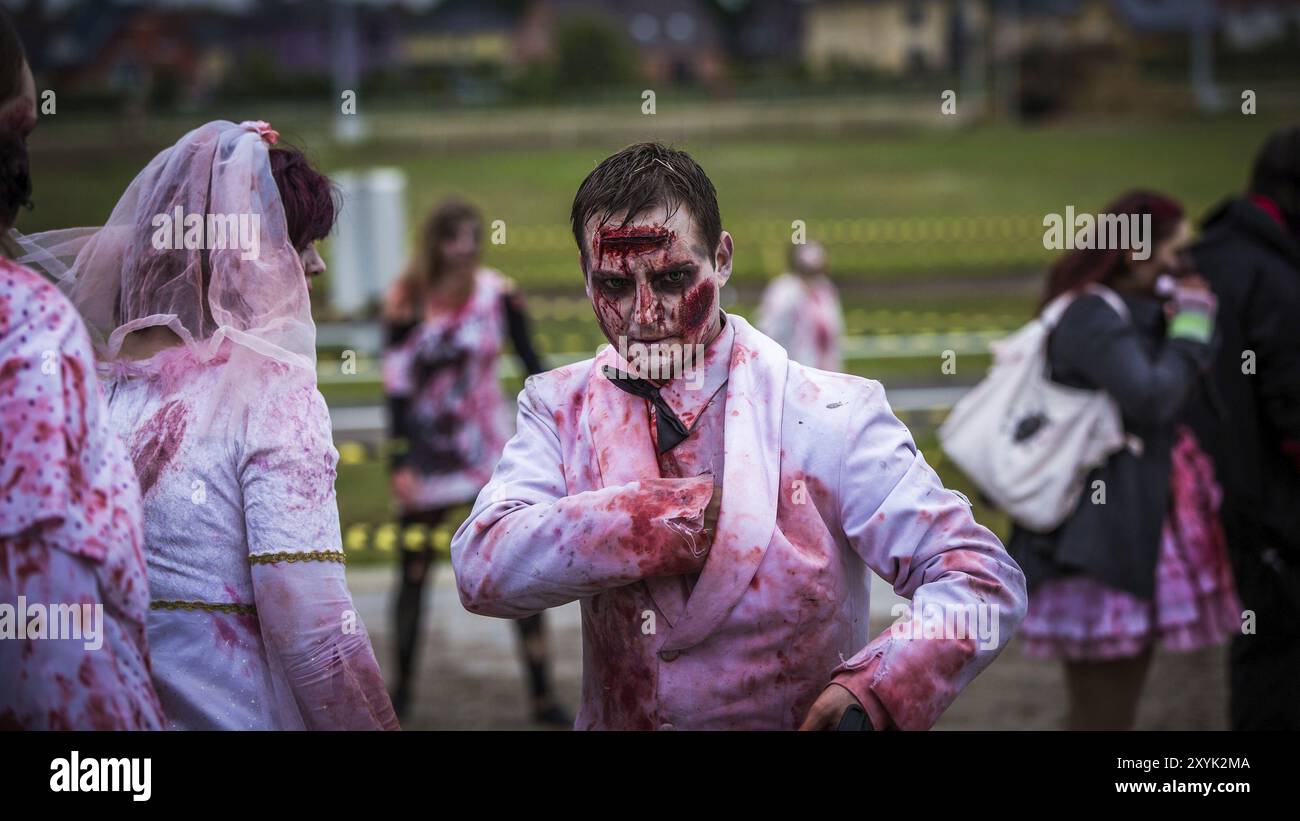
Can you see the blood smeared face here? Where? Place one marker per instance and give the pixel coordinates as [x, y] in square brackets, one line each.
[654, 282]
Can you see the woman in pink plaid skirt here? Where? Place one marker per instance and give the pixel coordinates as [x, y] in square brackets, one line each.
[1142, 561]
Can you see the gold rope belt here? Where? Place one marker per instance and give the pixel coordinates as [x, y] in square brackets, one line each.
[314, 556]
[258, 558]
[240, 609]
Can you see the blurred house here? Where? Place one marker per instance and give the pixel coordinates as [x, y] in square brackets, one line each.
[675, 40]
[457, 34]
[301, 39]
[131, 52]
[888, 36]
[768, 32]
[1035, 54]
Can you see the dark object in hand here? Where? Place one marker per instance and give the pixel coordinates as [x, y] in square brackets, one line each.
[854, 720]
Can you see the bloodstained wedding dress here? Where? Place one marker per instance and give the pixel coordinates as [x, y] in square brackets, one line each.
[251, 624]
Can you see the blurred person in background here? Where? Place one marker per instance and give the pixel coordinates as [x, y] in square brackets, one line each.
[445, 321]
[801, 310]
[208, 352]
[1249, 251]
[1147, 563]
[70, 533]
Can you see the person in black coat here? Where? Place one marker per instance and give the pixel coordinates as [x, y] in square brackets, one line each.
[1250, 253]
[1121, 573]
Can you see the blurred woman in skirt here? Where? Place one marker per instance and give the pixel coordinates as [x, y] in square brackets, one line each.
[445, 322]
[1142, 561]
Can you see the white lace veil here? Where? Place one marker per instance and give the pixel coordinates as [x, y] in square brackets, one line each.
[199, 244]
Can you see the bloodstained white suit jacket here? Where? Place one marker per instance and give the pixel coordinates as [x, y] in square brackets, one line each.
[821, 481]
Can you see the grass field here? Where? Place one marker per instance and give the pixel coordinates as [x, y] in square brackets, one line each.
[917, 205]
[929, 230]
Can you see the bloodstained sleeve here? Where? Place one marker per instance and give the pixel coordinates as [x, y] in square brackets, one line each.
[967, 595]
[314, 637]
[528, 546]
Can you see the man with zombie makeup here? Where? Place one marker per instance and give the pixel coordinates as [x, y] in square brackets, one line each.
[717, 526]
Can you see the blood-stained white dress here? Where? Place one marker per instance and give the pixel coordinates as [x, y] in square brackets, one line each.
[70, 542]
[251, 622]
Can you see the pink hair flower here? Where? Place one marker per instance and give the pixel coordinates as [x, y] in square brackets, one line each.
[263, 129]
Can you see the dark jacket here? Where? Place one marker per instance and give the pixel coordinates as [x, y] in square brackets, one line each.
[1151, 378]
[1253, 265]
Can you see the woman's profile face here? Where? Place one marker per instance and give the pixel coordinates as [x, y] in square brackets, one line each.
[313, 265]
[1163, 259]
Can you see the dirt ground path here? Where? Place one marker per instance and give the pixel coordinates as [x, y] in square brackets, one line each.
[471, 677]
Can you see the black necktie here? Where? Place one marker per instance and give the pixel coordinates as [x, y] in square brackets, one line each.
[669, 429]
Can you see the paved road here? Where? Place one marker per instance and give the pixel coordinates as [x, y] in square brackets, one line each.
[470, 677]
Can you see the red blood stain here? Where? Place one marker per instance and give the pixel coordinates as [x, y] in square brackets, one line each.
[917, 692]
[697, 308]
[76, 374]
[33, 564]
[155, 444]
[226, 634]
[631, 240]
[823, 338]
[100, 714]
[608, 315]
[86, 673]
[58, 720]
[8, 373]
[624, 671]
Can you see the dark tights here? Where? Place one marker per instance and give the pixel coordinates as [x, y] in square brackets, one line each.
[416, 566]
[1104, 694]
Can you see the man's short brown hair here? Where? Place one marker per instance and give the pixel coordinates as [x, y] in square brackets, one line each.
[641, 177]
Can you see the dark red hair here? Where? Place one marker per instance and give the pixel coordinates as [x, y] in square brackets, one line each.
[15, 178]
[307, 195]
[1082, 266]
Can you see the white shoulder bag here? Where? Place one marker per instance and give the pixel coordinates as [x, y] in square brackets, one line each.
[1027, 442]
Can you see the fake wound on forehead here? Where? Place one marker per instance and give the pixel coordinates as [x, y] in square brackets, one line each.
[632, 239]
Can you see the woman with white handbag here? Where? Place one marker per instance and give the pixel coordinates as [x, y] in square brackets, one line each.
[1141, 558]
